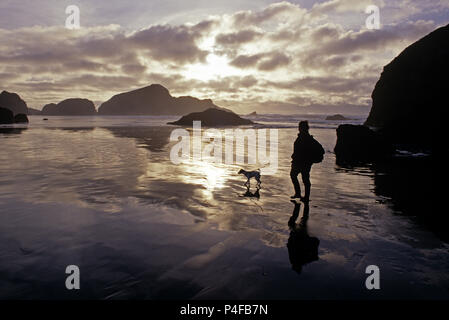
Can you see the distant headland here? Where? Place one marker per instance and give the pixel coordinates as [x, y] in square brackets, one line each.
[154, 99]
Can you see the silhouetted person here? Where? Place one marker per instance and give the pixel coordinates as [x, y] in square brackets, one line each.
[302, 248]
[306, 151]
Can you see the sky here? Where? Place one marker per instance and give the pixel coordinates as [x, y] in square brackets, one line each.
[246, 55]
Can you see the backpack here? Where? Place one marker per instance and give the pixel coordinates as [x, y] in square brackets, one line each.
[317, 154]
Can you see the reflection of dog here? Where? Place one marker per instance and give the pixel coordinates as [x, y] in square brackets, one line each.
[249, 194]
[251, 174]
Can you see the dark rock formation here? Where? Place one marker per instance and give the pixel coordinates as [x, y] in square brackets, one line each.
[410, 103]
[357, 143]
[12, 130]
[152, 100]
[70, 107]
[336, 117]
[6, 116]
[34, 112]
[20, 118]
[50, 109]
[13, 102]
[252, 114]
[213, 117]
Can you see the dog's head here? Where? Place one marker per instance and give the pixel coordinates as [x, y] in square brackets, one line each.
[241, 171]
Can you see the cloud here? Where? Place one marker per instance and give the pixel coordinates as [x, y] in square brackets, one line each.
[165, 42]
[276, 10]
[376, 39]
[328, 84]
[338, 6]
[281, 53]
[247, 61]
[262, 61]
[275, 61]
[239, 37]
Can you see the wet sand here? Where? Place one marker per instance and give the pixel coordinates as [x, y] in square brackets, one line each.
[106, 197]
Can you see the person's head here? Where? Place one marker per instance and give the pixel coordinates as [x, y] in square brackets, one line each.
[303, 126]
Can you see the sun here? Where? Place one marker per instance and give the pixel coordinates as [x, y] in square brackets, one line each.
[214, 67]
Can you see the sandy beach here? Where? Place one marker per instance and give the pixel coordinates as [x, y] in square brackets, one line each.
[102, 193]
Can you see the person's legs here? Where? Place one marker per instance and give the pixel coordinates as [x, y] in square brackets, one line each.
[294, 176]
[305, 174]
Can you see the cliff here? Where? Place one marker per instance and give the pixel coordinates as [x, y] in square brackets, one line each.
[410, 103]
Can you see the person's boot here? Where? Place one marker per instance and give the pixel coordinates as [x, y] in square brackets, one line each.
[306, 197]
[297, 192]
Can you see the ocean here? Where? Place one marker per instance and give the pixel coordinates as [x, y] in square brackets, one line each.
[101, 193]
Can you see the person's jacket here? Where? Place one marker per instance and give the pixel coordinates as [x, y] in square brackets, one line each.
[302, 150]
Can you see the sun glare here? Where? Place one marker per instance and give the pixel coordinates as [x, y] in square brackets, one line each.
[214, 67]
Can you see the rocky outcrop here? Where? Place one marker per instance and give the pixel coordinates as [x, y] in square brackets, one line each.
[356, 143]
[70, 107]
[213, 117]
[20, 118]
[410, 103]
[6, 116]
[252, 114]
[336, 117]
[50, 109]
[152, 100]
[13, 102]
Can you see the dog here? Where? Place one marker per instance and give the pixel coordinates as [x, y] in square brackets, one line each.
[251, 174]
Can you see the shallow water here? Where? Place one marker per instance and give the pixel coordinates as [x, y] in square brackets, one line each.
[101, 193]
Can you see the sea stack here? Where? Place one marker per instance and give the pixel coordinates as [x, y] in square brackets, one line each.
[13, 102]
[20, 118]
[336, 117]
[6, 116]
[153, 100]
[213, 118]
[70, 107]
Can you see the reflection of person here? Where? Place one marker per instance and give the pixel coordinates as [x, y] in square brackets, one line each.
[302, 248]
